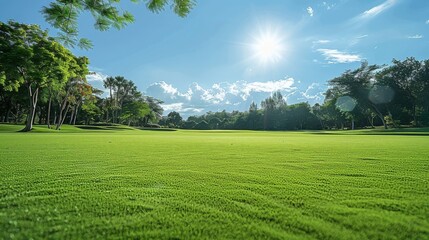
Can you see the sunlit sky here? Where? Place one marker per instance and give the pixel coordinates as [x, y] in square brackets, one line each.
[226, 54]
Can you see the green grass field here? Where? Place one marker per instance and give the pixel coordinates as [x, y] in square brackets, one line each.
[108, 182]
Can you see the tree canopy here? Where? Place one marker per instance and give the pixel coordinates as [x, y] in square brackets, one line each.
[41, 80]
[64, 14]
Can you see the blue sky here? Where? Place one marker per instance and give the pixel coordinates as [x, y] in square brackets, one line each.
[226, 54]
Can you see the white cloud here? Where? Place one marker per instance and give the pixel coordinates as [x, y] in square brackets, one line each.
[373, 12]
[218, 93]
[417, 36]
[378, 9]
[362, 36]
[321, 41]
[167, 90]
[96, 77]
[214, 95]
[327, 5]
[427, 21]
[357, 39]
[266, 87]
[310, 11]
[172, 107]
[180, 107]
[314, 92]
[231, 96]
[336, 56]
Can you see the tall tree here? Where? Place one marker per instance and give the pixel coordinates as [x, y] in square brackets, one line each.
[134, 110]
[29, 58]
[357, 84]
[409, 80]
[156, 110]
[174, 119]
[75, 90]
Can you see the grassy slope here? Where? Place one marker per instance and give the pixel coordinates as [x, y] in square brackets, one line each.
[225, 184]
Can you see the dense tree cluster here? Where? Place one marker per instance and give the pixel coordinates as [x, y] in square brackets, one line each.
[274, 114]
[368, 96]
[42, 81]
[125, 104]
[388, 95]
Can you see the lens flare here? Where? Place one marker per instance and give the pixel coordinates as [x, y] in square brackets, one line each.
[381, 94]
[346, 103]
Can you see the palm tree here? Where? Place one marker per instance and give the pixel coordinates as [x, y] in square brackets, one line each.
[109, 83]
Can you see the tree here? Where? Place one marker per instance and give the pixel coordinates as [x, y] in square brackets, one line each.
[357, 85]
[155, 110]
[203, 125]
[134, 110]
[174, 119]
[214, 123]
[273, 108]
[64, 14]
[29, 58]
[75, 89]
[189, 124]
[109, 83]
[409, 80]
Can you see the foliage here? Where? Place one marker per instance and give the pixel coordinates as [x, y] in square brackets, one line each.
[174, 119]
[134, 111]
[64, 15]
[275, 114]
[30, 59]
[124, 100]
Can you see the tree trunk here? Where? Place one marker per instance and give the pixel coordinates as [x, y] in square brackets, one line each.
[75, 115]
[380, 116]
[60, 114]
[62, 118]
[40, 115]
[7, 115]
[16, 116]
[371, 121]
[59, 118]
[48, 118]
[72, 116]
[32, 109]
[55, 118]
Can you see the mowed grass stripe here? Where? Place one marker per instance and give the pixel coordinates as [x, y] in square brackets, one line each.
[213, 184]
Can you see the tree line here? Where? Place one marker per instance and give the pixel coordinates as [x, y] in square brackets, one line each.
[368, 96]
[42, 82]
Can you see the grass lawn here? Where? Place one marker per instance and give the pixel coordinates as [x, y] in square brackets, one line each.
[107, 182]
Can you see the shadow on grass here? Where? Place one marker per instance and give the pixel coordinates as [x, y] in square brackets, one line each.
[103, 128]
[158, 129]
[393, 131]
[91, 128]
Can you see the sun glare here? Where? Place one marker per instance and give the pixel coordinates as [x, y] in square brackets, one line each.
[268, 47]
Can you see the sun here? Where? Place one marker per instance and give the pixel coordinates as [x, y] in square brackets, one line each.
[268, 47]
